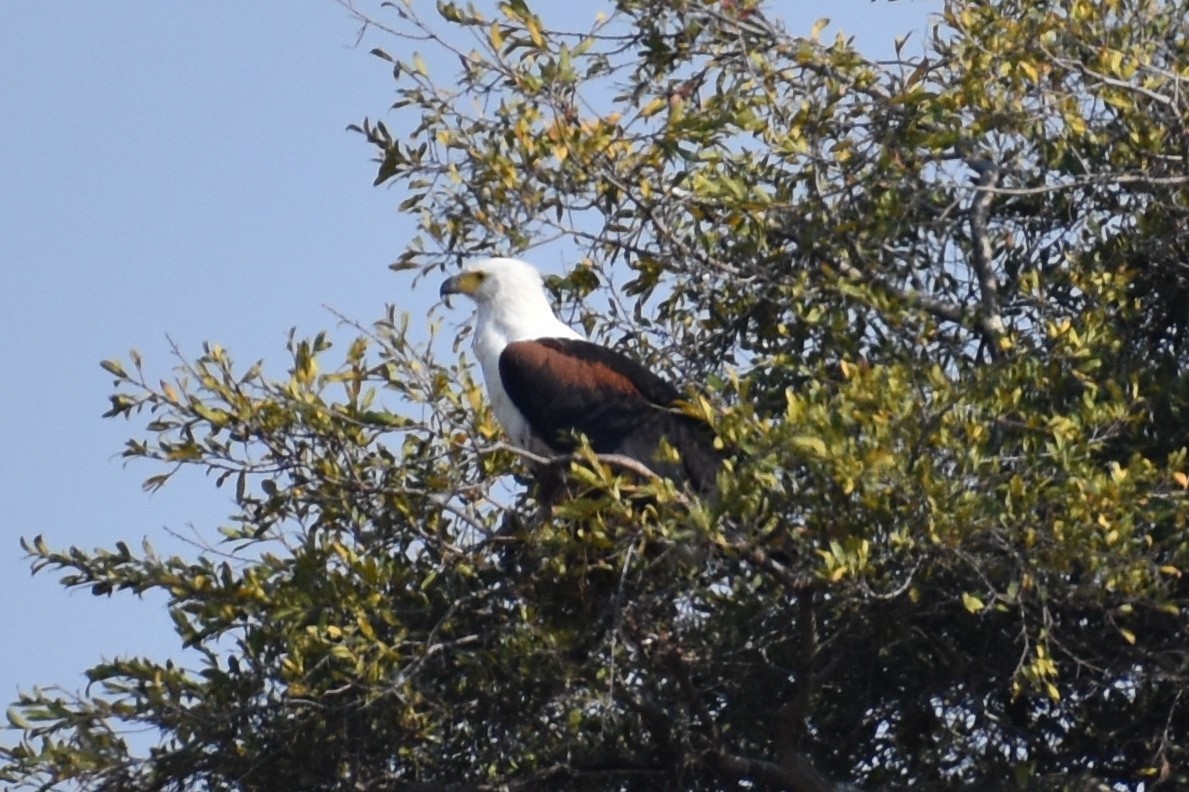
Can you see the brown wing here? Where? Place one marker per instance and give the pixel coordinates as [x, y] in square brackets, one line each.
[567, 387]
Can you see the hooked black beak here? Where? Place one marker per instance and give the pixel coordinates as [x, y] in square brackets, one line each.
[450, 286]
[463, 283]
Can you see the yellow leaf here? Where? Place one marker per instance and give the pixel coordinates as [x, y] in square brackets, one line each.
[818, 27]
[1051, 689]
[1181, 479]
[1168, 569]
[497, 38]
[1118, 472]
[184, 453]
[972, 603]
[652, 108]
[814, 445]
[534, 32]
[1114, 61]
[1128, 635]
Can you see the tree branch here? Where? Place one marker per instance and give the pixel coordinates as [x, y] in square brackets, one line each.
[949, 311]
[794, 772]
[760, 558]
[613, 460]
[990, 317]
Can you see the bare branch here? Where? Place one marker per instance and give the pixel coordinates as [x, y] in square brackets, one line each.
[990, 316]
[794, 773]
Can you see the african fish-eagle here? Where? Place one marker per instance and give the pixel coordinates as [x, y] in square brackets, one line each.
[548, 384]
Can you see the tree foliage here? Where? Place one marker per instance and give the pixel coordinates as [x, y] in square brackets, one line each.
[939, 306]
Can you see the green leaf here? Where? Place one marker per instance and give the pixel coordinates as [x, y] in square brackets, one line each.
[17, 720]
[114, 367]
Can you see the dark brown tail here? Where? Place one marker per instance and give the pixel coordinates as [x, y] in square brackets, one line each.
[692, 439]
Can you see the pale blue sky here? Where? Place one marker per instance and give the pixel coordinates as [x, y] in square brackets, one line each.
[182, 169]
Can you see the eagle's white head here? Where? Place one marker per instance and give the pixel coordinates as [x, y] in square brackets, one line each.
[512, 306]
[511, 300]
[492, 279]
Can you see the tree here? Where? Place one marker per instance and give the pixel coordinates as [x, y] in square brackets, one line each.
[939, 308]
